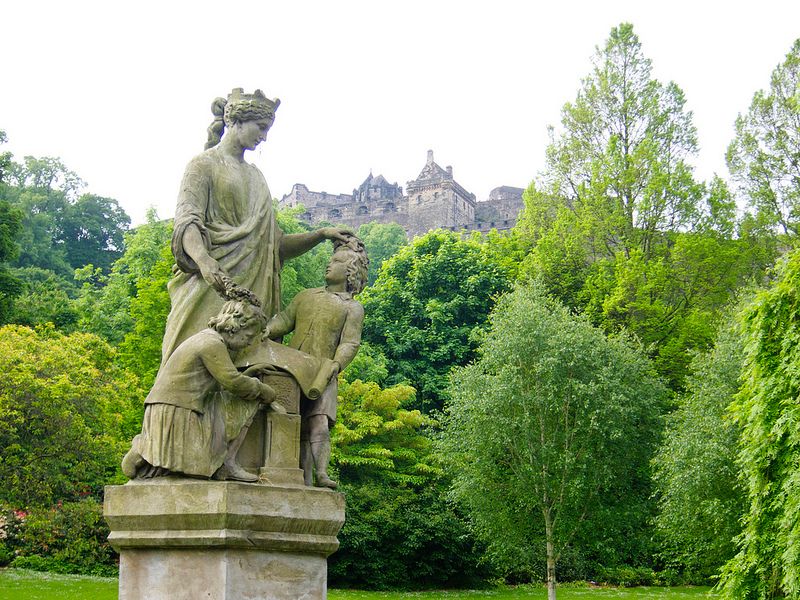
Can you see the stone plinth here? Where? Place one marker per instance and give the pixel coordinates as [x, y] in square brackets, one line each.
[271, 448]
[185, 539]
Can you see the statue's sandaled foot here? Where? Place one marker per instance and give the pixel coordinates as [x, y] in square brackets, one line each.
[232, 471]
[324, 481]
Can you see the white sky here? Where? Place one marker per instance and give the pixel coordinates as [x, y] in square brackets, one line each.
[121, 91]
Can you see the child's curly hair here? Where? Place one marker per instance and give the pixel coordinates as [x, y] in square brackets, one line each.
[236, 315]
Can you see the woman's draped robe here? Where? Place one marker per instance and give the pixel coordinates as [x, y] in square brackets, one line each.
[231, 206]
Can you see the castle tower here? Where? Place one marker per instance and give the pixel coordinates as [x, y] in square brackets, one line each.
[435, 199]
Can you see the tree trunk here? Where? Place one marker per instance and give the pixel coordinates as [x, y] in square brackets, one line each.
[551, 557]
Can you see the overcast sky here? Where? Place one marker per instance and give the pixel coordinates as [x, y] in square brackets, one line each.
[121, 92]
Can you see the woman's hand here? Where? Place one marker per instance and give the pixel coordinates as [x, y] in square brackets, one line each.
[336, 233]
[212, 273]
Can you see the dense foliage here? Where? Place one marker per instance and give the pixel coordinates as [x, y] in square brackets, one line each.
[66, 412]
[399, 532]
[426, 307]
[10, 286]
[70, 537]
[553, 412]
[768, 562]
[701, 500]
[382, 241]
[62, 229]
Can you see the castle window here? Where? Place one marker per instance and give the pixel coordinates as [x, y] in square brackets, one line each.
[335, 213]
[363, 210]
[419, 199]
[389, 207]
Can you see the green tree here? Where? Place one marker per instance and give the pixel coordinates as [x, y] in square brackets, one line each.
[62, 229]
[39, 235]
[42, 189]
[10, 286]
[766, 409]
[67, 412]
[700, 495]
[399, 530]
[92, 229]
[617, 225]
[140, 350]
[105, 300]
[620, 163]
[427, 305]
[6, 160]
[45, 298]
[368, 365]
[382, 241]
[548, 429]
[764, 157]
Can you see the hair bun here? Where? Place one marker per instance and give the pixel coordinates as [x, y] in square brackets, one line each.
[218, 107]
[218, 124]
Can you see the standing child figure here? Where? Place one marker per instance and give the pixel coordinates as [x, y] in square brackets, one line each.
[326, 323]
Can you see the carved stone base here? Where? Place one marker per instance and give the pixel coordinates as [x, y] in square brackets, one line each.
[185, 539]
[271, 448]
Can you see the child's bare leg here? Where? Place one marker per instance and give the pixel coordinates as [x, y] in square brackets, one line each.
[320, 437]
[230, 468]
[306, 458]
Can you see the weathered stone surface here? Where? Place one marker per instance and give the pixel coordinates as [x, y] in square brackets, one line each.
[226, 574]
[272, 445]
[165, 512]
[184, 538]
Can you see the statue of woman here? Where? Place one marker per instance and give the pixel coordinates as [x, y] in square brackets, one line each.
[225, 237]
[224, 222]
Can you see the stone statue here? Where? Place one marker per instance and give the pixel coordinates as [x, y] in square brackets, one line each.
[224, 222]
[327, 324]
[224, 235]
[191, 426]
[203, 417]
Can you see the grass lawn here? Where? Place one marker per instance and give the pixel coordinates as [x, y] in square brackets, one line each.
[16, 584]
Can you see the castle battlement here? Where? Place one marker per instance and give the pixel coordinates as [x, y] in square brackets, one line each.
[433, 200]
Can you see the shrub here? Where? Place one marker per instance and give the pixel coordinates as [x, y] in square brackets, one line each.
[68, 538]
[627, 576]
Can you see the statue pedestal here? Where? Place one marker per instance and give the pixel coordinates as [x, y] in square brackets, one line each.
[189, 539]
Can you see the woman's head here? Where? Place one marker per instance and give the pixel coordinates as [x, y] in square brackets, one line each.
[239, 108]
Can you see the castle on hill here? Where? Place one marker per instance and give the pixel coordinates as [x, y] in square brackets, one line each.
[433, 200]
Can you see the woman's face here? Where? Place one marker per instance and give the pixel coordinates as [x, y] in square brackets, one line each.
[252, 133]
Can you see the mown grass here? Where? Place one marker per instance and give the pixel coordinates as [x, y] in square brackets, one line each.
[16, 584]
[19, 584]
